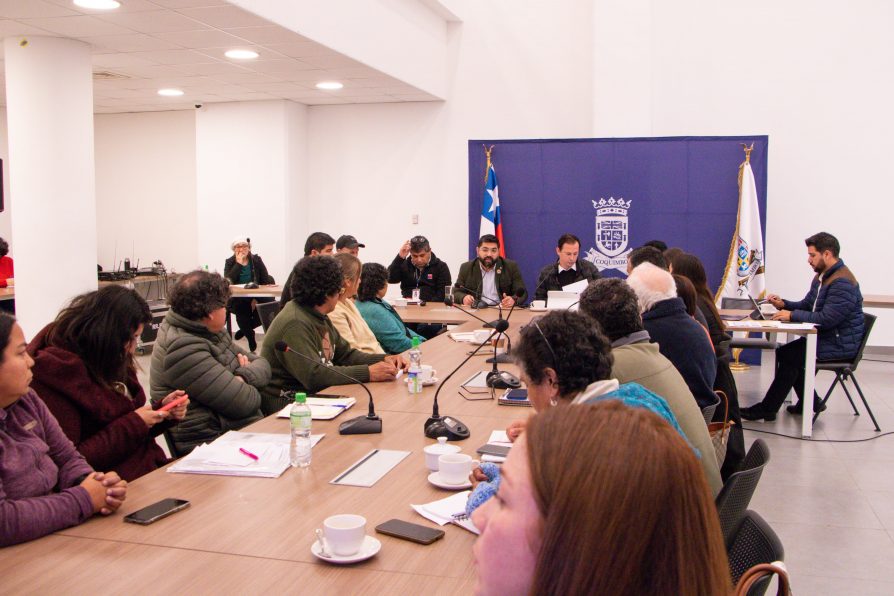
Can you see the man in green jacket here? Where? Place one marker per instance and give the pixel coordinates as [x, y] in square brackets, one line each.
[612, 303]
[302, 324]
[490, 279]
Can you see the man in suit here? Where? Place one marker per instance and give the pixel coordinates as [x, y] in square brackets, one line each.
[835, 305]
[489, 279]
[566, 270]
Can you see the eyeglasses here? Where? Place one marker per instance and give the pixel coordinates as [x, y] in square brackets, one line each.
[548, 345]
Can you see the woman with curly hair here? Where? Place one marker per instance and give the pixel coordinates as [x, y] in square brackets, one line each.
[381, 317]
[194, 352]
[84, 370]
[303, 325]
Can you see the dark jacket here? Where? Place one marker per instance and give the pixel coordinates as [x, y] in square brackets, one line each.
[548, 280]
[308, 332]
[431, 281]
[683, 341]
[508, 279]
[720, 339]
[188, 356]
[259, 275]
[101, 422]
[838, 314]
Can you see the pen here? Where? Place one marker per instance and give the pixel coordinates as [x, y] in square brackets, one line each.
[400, 371]
[357, 465]
[248, 453]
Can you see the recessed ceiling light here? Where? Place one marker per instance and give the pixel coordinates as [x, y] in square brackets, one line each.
[170, 92]
[329, 85]
[98, 4]
[241, 54]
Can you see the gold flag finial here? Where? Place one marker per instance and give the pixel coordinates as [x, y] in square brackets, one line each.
[748, 150]
[487, 152]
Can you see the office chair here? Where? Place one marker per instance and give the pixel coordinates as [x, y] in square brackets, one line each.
[734, 497]
[753, 542]
[267, 311]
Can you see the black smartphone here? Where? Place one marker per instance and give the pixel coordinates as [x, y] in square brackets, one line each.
[498, 450]
[409, 531]
[156, 511]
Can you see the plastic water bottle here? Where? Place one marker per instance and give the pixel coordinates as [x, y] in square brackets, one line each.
[414, 383]
[300, 420]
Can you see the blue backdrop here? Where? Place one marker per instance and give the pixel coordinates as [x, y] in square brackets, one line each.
[683, 190]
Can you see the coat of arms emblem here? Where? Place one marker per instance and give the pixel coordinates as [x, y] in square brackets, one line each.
[612, 234]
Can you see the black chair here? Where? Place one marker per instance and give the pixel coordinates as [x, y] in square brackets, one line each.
[845, 369]
[757, 343]
[753, 542]
[267, 311]
[734, 497]
[708, 411]
[169, 441]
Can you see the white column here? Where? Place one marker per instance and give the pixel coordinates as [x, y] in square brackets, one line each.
[49, 99]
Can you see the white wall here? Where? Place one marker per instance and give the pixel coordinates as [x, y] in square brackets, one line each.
[815, 76]
[517, 70]
[146, 189]
[249, 181]
[6, 216]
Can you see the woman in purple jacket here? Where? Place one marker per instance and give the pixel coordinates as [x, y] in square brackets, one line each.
[45, 484]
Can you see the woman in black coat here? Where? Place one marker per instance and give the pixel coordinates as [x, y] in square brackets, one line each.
[246, 268]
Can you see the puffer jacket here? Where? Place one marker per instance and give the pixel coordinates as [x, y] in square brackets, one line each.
[187, 356]
[838, 314]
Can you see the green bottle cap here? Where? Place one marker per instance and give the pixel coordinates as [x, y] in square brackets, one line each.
[415, 342]
[300, 398]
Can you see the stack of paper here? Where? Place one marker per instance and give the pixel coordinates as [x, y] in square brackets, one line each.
[442, 512]
[322, 408]
[259, 455]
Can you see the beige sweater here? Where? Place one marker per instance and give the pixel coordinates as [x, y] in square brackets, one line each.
[349, 323]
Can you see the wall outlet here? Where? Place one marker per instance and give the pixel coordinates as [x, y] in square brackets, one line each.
[415, 218]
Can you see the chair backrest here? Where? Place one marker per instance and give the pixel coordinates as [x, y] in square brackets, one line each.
[754, 542]
[734, 497]
[708, 411]
[172, 447]
[868, 322]
[267, 311]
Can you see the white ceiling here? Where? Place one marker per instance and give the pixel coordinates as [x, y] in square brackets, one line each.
[181, 43]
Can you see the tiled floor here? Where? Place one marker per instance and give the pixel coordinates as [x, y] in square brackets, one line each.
[832, 504]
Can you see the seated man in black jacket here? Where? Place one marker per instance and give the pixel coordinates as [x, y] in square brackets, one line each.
[417, 267]
[679, 337]
[246, 268]
[566, 270]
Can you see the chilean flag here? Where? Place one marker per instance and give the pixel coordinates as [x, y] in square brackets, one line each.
[491, 222]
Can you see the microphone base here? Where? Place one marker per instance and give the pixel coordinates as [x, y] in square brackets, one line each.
[361, 425]
[446, 426]
[501, 359]
[501, 379]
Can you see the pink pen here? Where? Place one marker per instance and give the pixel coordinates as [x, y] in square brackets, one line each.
[248, 453]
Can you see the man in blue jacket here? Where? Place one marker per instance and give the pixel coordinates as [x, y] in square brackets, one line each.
[835, 305]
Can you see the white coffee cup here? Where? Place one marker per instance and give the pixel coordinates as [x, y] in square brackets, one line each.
[426, 373]
[436, 450]
[454, 468]
[538, 304]
[344, 533]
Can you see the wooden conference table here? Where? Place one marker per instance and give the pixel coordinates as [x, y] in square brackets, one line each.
[250, 535]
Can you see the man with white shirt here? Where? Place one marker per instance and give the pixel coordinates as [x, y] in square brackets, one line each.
[567, 269]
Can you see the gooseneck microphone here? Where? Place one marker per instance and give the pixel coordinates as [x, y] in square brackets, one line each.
[361, 425]
[448, 426]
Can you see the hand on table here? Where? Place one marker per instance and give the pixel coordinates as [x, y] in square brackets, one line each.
[507, 301]
[382, 371]
[399, 361]
[783, 315]
[107, 491]
[515, 429]
[468, 300]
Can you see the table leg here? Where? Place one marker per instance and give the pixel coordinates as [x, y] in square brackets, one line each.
[809, 385]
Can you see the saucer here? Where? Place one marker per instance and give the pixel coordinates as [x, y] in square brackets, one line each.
[368, 549]
[428, 383]
[435, 478]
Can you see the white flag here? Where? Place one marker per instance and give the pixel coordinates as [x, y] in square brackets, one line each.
[744, 274]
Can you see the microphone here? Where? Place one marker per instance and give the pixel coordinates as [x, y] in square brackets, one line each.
[539, 285]
[447, 426]
[361, 425]
[504, 379]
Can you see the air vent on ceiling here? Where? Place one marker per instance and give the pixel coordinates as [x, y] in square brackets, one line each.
[107, 75]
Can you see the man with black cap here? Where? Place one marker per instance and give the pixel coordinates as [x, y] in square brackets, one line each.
[349, 244]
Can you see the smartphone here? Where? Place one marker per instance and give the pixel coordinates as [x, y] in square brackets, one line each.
[514, 397]
[498, 450]
[156, 511]
[173, 404]
[409, 531]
